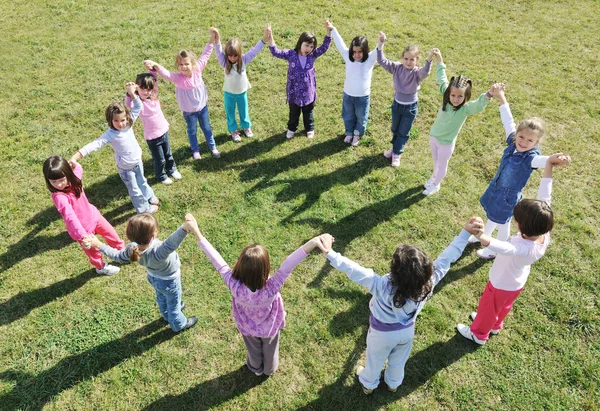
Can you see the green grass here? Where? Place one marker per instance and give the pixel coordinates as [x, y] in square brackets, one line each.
[72, 340]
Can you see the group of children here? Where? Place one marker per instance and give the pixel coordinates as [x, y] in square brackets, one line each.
[257, 307]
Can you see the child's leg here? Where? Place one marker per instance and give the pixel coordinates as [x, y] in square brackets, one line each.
[507, 306]
[142, 183]
[140, 203]
[394, 372]
[493, 301]
[444, 152]
[270, 352]
[170, 291]
[161, 300]
[170, 166]
[362, 106]
[158, 158]
[379, 346]
[294, 117]
[307, 117]
[206, 129]
[229, 103]
[489, 228]
[107, 231]
[349, 114]
[407, 117]
[434, 144]
[94, 255]
[254, 356]
[504, 231]
[191, 119]
[242, 104]
[396, 115]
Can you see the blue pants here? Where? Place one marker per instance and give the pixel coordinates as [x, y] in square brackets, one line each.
[403, 116]
[162, 158]
[168, 298]
[137, 187]
[241, 100]
[355, 112]
[192, 120]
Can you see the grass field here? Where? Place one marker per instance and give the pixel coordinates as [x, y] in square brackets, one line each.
[70, 339]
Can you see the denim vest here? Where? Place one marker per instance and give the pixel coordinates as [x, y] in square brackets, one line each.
[515, 167]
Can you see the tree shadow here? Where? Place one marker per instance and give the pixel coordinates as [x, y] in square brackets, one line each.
[212, 393]
[33, 392]
[360, 222]
[23, 303]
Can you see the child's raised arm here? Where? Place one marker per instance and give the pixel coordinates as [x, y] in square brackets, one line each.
[382, 40]
[328, 27]
[214, 34]
[267, 34]
[311, 244]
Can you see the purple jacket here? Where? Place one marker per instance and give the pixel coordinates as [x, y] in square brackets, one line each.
[301, 82]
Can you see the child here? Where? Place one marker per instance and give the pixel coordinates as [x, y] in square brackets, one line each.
[407, 78]
[508, 275]
[398, 297]
[519, 159]
[128, 152]
[302, 82]
[156, 128]
[81, 218]
[191, 94]
[256, 304]
[455, 109]
[160, 259]
[236, 81]
[357, 86]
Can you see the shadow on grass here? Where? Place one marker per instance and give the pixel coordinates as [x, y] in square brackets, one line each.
[210, 393]
[100, 194]
[419, 369]
[455, 275]
[23, 303]
[33, 392]
[360, 222]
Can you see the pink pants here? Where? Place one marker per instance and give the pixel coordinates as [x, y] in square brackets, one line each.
[107, 231]
[441, 157]
[493, 307]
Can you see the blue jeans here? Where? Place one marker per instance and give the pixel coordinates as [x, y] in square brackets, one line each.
[403, 116]
[230, 101]
[192, 120]
[162, 158]
[137, 187]
[168, 298]
[355, 112]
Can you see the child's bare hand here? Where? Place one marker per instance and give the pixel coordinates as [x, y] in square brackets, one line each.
[328, 25]
[90, 241]
[73, 164]
[474, 226]
[150, 65]
[382, 37]
[558, 160]
[268, 34]
[190, 224]
[215, 36]
[325, 242]
[131, 88]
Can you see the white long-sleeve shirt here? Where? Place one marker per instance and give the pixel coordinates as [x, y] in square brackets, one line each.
[358, 74]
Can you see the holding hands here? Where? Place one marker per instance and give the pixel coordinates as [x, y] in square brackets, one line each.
[328, 27]
[150, 65]
[214, 35]
[268, 35]
[475, 226]
[382, 39]
[323, 242]
[131, 88]
[437, 54]
[90, 241]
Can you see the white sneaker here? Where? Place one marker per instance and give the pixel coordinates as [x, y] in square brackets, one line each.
[355, 140]
[485, 254]
[215, 153]
[348, 139]
[108, 270]
[290, 134]
[466, 332]
[235, 136]
[431, 190]
[388, 154]
[196, 155]
[167, 181]
[493, 332]
[310, 134]
[248, 133]
[472, 240]
[428, 183]
[176, 175]
[395, 160]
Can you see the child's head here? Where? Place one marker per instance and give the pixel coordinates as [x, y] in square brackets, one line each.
[186, 60]
[146, 85]
[533, 217]
[458, 92]
[252, 267]
[60, 177]
[141, 229]
[233, 52]
[359, 49]
[117, 116]
[529, 134]
[306, 43]
[410, 274]
[410, 56]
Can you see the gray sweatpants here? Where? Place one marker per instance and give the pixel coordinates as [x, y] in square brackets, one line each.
[262, 354]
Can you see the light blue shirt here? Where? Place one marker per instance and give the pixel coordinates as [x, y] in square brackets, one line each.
[382, 304]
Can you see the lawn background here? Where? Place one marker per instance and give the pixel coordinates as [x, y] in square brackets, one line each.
[70, 339]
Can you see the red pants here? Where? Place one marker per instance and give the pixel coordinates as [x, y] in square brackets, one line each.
[493, 307]
[107, 231]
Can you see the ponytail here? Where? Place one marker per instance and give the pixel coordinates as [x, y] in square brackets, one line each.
[134, 253]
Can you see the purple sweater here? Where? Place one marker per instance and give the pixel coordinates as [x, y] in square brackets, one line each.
[406, 82]
[301, 82]
[259, 313]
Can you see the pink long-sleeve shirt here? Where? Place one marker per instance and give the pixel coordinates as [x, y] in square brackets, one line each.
[190, 92]
[154, 121]
[257, 313]
[79, 215]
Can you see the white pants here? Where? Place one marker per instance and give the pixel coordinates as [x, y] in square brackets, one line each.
[441, 157]
[393, 346]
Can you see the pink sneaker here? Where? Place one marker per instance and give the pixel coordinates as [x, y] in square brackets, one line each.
[395, 160]
[348, 139]
[388, 154]
[248, 132]
[235, 136]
